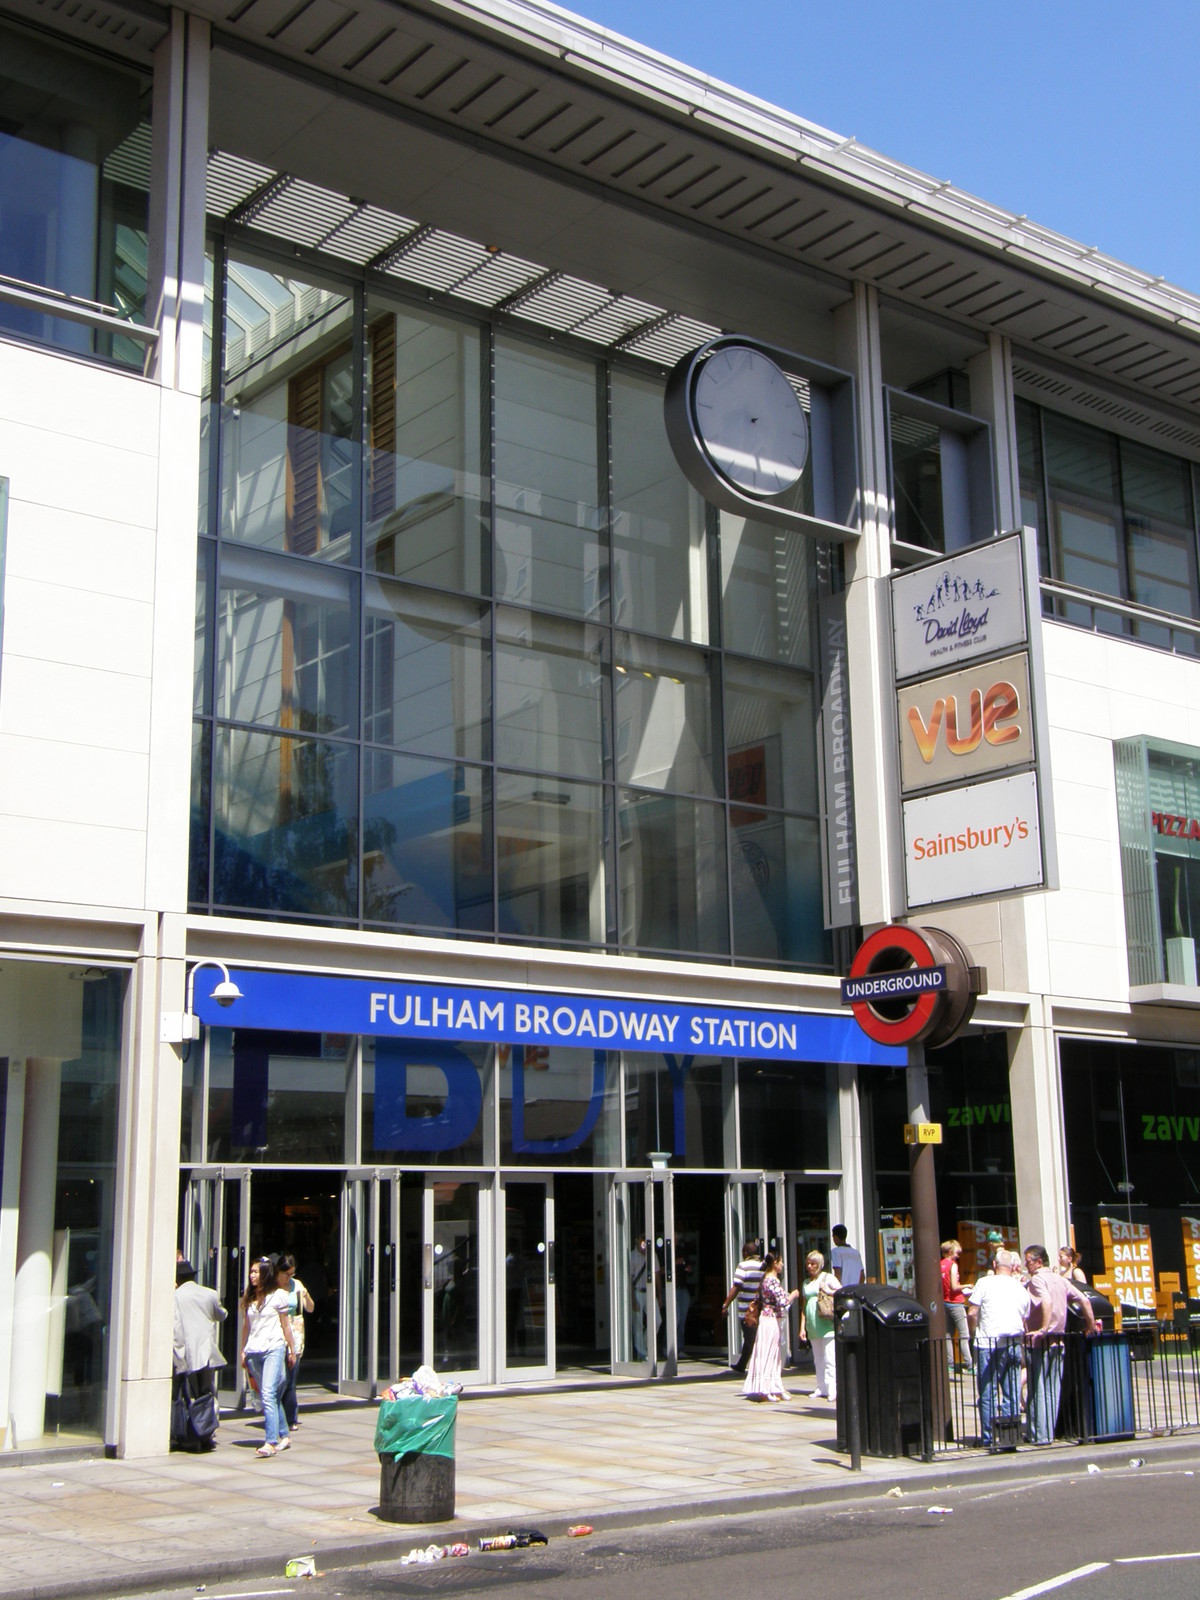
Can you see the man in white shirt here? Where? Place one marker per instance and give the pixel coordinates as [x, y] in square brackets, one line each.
[996, 1313]
[844, 1260]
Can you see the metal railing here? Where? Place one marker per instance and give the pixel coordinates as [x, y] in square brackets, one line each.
[1162, 629]
[1067, 1388]
[73, 308]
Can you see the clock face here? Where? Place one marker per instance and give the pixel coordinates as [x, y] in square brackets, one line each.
[751, 421]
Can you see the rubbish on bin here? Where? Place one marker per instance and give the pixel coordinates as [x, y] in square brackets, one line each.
[895, 1494]
[499, 1541]
[941, 1511]
[528, 1536]
[1092, 1467]
[1137, 1461]
[301, 1567]
[424, 1384]
[580, 1530]
[459, 1549]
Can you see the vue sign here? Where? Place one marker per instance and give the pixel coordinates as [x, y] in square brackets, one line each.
[961, 725]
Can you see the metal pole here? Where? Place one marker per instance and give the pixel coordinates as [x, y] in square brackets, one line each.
[927, 1251]
[852, 1418]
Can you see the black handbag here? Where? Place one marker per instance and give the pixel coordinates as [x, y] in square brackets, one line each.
[204, 1415]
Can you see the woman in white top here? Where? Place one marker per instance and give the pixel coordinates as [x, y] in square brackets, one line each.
[268, 1348]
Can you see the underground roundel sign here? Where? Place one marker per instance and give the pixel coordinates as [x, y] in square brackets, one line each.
[911, 986]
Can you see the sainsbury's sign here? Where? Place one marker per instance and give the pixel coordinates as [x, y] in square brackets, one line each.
[981, 839]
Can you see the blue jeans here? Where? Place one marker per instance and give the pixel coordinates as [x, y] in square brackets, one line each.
[998, 1374]
[269, 1369]
[1045, 1388]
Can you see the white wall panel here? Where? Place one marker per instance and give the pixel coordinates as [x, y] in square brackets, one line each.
[49, 545]
[48, 622]
[78, 400]
[72, 863]
[70, 783]
[78, 705]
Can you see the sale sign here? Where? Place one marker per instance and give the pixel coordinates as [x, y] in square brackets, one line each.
[1129, 1261]
[1191, 1255]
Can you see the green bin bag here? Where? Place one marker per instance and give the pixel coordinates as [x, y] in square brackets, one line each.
[420, 1424]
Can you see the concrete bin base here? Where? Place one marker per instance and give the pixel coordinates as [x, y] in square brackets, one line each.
[416, 1487]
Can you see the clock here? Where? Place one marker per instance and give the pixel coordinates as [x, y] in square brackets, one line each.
[736, 424]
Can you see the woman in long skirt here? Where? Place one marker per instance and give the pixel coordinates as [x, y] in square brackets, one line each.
[764, 1376]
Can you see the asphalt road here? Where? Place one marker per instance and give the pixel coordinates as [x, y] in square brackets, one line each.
[1118, 1534]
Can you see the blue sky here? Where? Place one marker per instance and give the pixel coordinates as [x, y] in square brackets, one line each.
[1085, 117]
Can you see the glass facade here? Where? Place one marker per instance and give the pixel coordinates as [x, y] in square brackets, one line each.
[1114, 518]
[74, 189]
[472, 659]
[61, 1030]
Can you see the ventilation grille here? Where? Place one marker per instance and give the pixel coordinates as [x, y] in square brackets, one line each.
[1068, 395]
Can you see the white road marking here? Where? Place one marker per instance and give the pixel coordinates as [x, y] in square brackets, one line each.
[1057, 1583]
[1182, 1555]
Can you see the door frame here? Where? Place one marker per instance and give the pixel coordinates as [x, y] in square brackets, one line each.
[659, 1216]
[214, 1270]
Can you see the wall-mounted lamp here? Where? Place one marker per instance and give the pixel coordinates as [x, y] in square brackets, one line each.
[180, 1027]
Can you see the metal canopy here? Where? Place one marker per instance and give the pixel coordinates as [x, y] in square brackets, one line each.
[559, 96]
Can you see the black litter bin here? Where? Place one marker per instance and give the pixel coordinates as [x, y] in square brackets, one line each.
[893, 1372]
[414, 1439]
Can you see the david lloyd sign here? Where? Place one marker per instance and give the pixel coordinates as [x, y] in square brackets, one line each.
[945, 613]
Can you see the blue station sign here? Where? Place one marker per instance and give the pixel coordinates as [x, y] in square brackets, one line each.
[462, 1014]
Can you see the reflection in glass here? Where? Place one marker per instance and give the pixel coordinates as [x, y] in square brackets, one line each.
[276, 1096]
[427, 672]
[426, 509]
[284, 635]
[61, 1045]
[770, 736]
[665, 711]
[671, 855]
[548, 520]
[74, 190]
[778, 915]
[676, 1104]
[427, 843]
[660, 565]
[286, 834]
[558, 1104]
[289, 457]
[552, 878]
[199, 813]
[767, 577]
[549, 682]
[201, 661]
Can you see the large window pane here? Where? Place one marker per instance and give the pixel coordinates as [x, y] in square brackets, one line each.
[427, 491]
[917, 482]
[560, 1105]
[660, 567]
[286, 644]
[673, 874]
[766, 591]
[427, 844]
[1081, 460]
[74, 189]
[548, 548]
[783, 1114]
[289, 452]
[674, 1104]
[425, 1103]
[665, 708]
[427, 672]
[200, 813]
[286, 825]
[549, 694]
[553, 879]
[770, 736]
[777, 908]
[276, 1096]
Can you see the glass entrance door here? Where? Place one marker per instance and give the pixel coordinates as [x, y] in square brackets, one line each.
[369, 1315]
[453, 1290]
[528, 1337]
[641, 1231]
[216, 1240]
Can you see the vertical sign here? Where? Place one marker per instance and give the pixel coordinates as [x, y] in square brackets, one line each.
[1191, 1256]
[841, 859]
[1129, 1261]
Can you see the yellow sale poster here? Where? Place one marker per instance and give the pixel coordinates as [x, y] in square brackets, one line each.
[1191, 1256]
[977, 1252]
[1129, 1261]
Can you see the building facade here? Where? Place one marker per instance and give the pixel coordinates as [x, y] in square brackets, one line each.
[534, 802]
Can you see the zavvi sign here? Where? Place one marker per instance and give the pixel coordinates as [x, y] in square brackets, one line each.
[912, 986]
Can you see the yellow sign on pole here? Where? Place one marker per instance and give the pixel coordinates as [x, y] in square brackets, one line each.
[922, 1133]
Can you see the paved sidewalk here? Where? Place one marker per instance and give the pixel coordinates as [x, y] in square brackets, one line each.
[611, 1454]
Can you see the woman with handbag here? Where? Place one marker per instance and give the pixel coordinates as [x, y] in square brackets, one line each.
[764, 1378]
[300, 1302]
[816, 1323]
[268, 1349]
